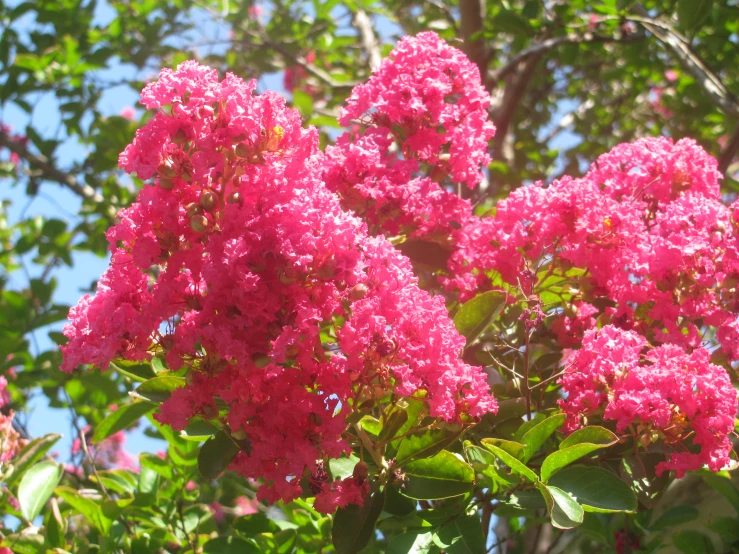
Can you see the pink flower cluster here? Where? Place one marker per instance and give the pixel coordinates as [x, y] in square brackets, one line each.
[647, 223]
[424, 129]
[240, 265]
[662, 393]
[10, 441]
[108, 454]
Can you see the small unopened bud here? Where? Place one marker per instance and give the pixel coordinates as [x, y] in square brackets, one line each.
[208, 201]
[186, 175]
[166, 183]
[234, 198]
[180, 137]
[288, 276]
[360, 470]
[292, 351]
[193, 209]
[261, 360]
[199, 223]
[358, 291]
[239, 435]
[167, 169]
[315, 419]
[210, 412]
[242, 150]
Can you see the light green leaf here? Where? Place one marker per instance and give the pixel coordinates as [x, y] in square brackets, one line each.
[92, 511]
[423, 444]
[121, 419]
[216, 454]
[159, 389]
[509, 460]
[476, 315]
[37, 486]
[535, 437]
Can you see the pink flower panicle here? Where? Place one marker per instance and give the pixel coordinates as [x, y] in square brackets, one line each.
[662, 393]
[10, 440]
[428, 98]
[276, 300]
[648, 225]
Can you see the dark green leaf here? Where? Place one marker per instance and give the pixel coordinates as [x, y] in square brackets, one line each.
[424, 444]
[676, 515]
[441, 476]
[354, 526]
[476, 315]
[690, 541]
[216, 454]
[462, 536]
[596, 489]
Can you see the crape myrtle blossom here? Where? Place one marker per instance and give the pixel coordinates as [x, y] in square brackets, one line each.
[660, 249]
[660, 393]
[281, 307]
[427, 99]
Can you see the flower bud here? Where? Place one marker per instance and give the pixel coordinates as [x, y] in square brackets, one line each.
[193, 209]
[166, 183]
[208, 201]
[261, 360]
[242, 150]
[234, 198]
[199, 223]
[180, 137]
[239, 435]
[359, 291]
[210, 412]
[360, 470]
[167, 168]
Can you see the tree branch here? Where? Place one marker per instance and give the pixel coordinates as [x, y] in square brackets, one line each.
[472, 16]
[48, 171]
[368, 38]
[729, 151]
[706, 79]
[540, 48]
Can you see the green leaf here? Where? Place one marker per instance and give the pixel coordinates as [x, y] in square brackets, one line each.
[515, 449]
[691, 13]
[442, 476]
[22, 543]
[412, 542]
[564, 511]
[397, 504]
[593, 434]
[133, 370]
[159, 389]
[354, 526]
[216, 454]
[156, 464]
[478, 314]
[92, 511]
[198, 430]
[423, 444]
[509, 460]
[31, 453]
[122, 418]
[596, 489]
[562, 458]
[37, 486]
[304, 102]
[253, 524]
[230, 545]
[581, 443]
[394, 422]
[690, 541]
[675, 516]
[535, 437]
[722, 484]
[341, 468]
[462, 536]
